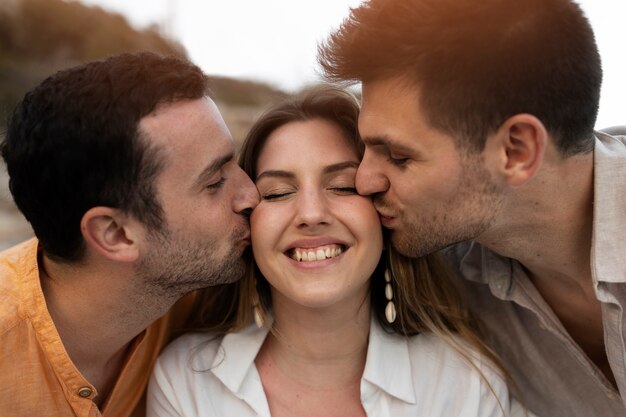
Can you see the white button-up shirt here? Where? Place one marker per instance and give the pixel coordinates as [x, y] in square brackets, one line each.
[199, 375]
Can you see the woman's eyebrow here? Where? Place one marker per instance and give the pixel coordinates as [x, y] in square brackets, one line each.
[290, 175]
[340, 167]
[275, 174]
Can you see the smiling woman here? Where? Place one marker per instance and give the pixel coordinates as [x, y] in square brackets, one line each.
[343, 327]
[309, 207]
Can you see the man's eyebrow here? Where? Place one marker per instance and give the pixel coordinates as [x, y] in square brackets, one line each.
[387, 142]
[213, 167]
[375, 140]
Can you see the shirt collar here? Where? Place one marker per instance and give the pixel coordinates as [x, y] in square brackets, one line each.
[234, 366]
[236, 355]
[479, 264]
[388, 364]
[608, 262]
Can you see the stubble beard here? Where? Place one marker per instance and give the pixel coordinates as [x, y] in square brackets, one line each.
[468, 213]
[175, 267]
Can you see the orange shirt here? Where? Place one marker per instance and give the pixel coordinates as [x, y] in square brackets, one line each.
[37, 377]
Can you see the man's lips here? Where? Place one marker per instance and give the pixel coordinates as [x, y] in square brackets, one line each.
[245, 238]
[386, 221]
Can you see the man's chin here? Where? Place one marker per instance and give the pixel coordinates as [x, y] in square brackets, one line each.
[411, 245]
[236, 272]
[400, 242]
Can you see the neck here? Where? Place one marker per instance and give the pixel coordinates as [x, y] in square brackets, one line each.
[549, 230]
[97, 309]
[547, 226]
[319, 348]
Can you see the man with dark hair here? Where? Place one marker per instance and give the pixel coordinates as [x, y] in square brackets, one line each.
[126, 172]
[478, 119]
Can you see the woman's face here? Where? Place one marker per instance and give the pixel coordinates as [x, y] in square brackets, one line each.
[315, 240]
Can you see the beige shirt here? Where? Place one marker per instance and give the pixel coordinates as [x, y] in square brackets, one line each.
[555, 376]
[37, 377]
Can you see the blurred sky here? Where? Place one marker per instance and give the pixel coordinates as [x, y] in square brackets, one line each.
[275, 40]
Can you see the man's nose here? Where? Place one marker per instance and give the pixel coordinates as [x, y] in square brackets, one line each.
[247, 194]
[369, 178]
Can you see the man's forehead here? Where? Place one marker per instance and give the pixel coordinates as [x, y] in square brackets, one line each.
[389, 102]
[191, 135]
[184, 117]
[168, 113]
[389, 90]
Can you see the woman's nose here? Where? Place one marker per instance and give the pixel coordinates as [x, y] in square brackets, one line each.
[312, 209]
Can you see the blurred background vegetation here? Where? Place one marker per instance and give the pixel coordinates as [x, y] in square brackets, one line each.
[40, 37]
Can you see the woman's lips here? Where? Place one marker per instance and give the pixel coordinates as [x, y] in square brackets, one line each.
[319, 253]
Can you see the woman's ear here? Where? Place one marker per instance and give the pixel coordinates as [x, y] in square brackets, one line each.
[520, 143]
[111, 233]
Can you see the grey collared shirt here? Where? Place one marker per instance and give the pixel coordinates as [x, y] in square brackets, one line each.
[554, 375]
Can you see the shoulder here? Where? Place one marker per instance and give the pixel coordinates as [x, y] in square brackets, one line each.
[186, 363]
[611, 142]
[182, 382]
[615, 130]
[18, 275]
[188, 352]
[201, 374]
[455, 363]
[432, 348]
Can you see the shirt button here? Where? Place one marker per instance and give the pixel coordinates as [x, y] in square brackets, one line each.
[85, 392]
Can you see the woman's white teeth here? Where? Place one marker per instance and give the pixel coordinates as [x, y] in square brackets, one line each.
[308, 255]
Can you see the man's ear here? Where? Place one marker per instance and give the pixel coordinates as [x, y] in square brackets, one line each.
[520, 144]
[112, 233]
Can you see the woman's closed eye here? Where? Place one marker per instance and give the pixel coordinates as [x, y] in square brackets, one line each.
[344, 190]
[276, 194]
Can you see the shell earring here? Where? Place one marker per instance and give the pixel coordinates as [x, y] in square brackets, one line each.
[390, 310]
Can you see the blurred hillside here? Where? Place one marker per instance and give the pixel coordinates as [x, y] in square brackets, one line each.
[39, 37]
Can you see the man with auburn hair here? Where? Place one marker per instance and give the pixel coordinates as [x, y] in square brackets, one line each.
[478, 119]
[126, 172]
